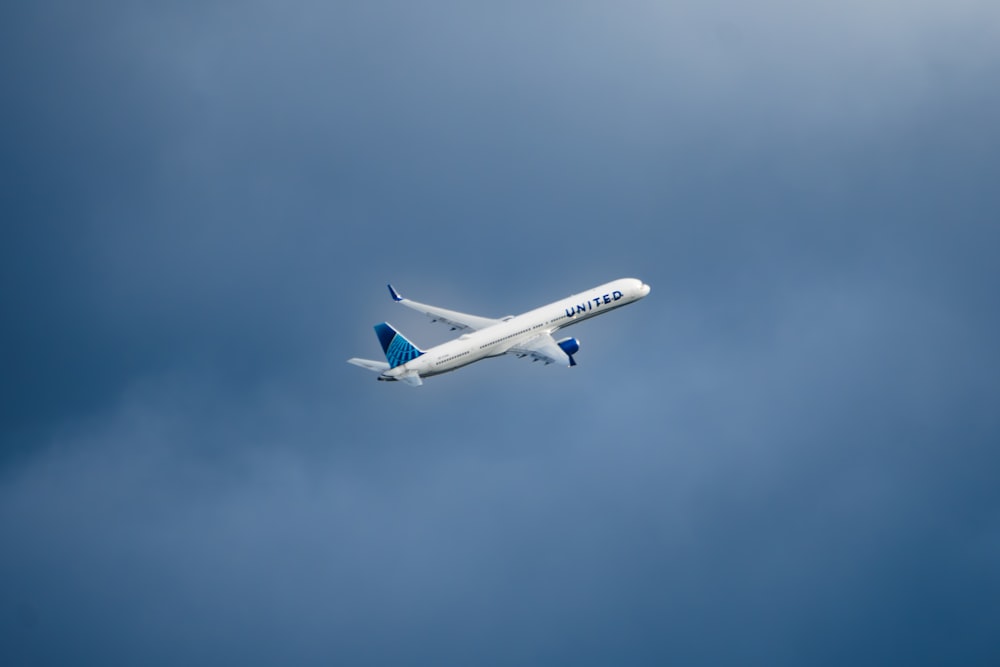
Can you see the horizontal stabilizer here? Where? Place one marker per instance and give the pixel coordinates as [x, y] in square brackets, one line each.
[411, 379]
[377, 366]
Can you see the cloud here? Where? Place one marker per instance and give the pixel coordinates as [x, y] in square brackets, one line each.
[782, 454]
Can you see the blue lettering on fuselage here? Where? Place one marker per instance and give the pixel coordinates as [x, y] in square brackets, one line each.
[596, 302]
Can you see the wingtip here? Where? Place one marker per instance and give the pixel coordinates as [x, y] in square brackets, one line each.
[393, 293]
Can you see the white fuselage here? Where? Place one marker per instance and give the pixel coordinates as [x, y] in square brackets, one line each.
[498, 339]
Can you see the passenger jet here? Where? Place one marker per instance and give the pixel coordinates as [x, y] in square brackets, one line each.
[527, 335]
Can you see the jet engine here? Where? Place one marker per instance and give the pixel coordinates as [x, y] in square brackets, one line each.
[570, 346]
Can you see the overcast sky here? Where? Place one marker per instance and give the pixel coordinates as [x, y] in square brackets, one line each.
[787, 454]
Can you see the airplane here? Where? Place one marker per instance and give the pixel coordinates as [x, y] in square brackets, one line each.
[526, 335]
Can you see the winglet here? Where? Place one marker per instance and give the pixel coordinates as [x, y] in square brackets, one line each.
[394, 293]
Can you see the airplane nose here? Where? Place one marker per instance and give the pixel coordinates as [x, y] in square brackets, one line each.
[643, 289]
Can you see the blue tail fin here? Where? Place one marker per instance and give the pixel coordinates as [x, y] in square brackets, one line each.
[397, 349]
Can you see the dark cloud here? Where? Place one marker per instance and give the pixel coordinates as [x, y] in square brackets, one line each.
[784, 455]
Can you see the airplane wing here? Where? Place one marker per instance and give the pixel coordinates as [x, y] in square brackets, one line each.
[542, 348]
[457, 321]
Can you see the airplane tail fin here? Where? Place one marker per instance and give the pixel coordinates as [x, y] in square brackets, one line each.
[398, 350]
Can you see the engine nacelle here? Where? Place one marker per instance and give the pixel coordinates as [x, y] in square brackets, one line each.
[570, 346]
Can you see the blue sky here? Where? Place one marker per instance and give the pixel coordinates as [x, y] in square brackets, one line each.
[785, 454]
